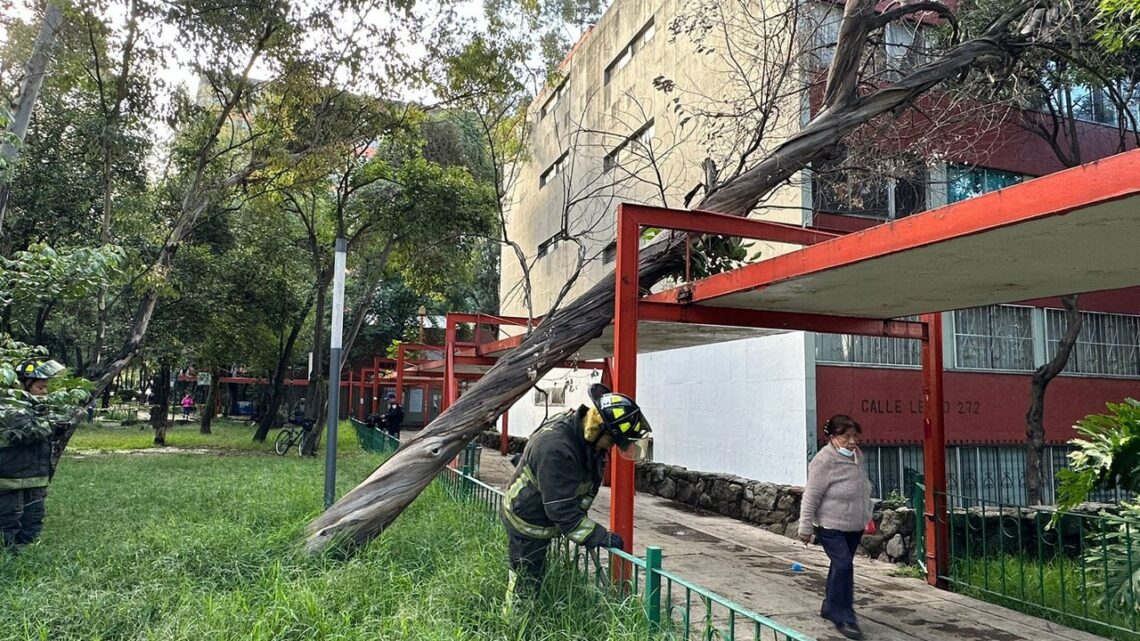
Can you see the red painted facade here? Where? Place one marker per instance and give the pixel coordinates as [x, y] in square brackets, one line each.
[980, 407]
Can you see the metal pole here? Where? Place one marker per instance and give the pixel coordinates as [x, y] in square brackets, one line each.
[334, 369]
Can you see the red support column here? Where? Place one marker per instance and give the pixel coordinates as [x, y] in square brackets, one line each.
[504, 439]
[934, 453]
[347, 409]
[625, 365]
[449, 381]
[400, 374]
[449, 386]
[361, 406]
[375, 404]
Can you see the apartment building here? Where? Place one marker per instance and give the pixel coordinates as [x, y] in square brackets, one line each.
[633, 117]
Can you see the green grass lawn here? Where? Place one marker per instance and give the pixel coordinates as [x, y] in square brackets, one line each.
[226, 434]
[205, 546]
[1056, 590]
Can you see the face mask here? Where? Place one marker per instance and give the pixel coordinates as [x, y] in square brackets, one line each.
[846, 452]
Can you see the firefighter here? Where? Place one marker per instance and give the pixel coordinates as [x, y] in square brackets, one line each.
[25, 457]
[557, 479]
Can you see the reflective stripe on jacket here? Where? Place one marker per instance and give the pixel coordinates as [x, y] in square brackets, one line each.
[556, 482]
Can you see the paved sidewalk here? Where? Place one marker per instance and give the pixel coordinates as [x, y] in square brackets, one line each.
[752, 567]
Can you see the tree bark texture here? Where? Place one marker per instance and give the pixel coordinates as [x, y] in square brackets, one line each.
[315, 405]
[1035, 416]
[277, 387]
[29, 93]
[371, 506]
[160, 411]
[211, 400]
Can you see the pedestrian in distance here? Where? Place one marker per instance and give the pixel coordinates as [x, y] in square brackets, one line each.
[393, 417]
[557, 479]
[836, 508]
[26, 436]
[187, 406]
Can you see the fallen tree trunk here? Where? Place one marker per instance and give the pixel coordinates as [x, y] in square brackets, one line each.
[374, 504]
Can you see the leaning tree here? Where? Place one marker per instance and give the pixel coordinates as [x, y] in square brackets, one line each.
[848, 102]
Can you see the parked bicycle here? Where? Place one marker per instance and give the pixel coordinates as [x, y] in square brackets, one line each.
[297, 431]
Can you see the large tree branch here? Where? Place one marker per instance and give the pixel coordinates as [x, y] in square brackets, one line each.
[374, 504]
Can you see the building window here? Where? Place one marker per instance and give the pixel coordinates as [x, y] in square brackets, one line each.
[637, 145]
[840, 189]
[868, 350]
[550, 396]
[630, 50]
[996, 337]
[556, 97]
[968, 182]
[609, 253]
[547, 245]
[553, 170]
[822, 31]
[1108, 345]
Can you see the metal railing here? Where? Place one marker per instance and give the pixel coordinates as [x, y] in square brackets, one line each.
[993, 473]
[374, 440]
[675, 607]
[1082, 570]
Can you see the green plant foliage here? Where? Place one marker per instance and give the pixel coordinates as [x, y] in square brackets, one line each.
[1108, 453]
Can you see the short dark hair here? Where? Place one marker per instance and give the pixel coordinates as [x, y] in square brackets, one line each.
[840, 424]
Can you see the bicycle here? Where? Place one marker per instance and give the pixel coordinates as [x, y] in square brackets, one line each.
[290, 435]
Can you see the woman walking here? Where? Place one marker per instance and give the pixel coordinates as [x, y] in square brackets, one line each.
[837, 506]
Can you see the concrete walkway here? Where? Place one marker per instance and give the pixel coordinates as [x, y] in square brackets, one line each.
[752, 567]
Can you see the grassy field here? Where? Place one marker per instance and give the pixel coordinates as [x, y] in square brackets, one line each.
[227, 434]
[204, 546]
[1058, 585]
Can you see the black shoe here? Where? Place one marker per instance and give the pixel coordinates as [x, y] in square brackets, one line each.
[850, 630]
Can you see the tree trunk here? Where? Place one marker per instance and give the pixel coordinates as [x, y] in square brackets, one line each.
[160, 411]
[211, 400]
[374, 504]
[1035, 416]
[277, 386]
[316, 392]
[29, 94]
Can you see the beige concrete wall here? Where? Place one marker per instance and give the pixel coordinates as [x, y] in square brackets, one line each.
[593, 117]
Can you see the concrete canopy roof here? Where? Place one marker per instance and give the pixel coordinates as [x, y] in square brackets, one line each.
[1071, 232]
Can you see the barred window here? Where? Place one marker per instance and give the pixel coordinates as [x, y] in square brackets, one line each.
[1108, 345]
[998, 337]
[868, 350]
[551, 396]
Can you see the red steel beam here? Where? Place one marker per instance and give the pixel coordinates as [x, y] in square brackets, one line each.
[707, 222]
[934, 455]
[1053, 195]
[735, 317]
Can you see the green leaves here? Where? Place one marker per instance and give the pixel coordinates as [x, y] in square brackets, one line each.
[1108, 453]
[1118, 24]
[41, 274]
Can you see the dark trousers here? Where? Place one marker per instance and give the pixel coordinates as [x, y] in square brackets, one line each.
[838, 603]
[527, 557]
[21, 515]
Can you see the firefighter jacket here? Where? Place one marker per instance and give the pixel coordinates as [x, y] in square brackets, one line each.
[25, 450]
[556, 482]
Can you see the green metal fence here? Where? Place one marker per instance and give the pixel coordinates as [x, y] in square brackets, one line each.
[1082, 570]
[374, 440]
[677, 608]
